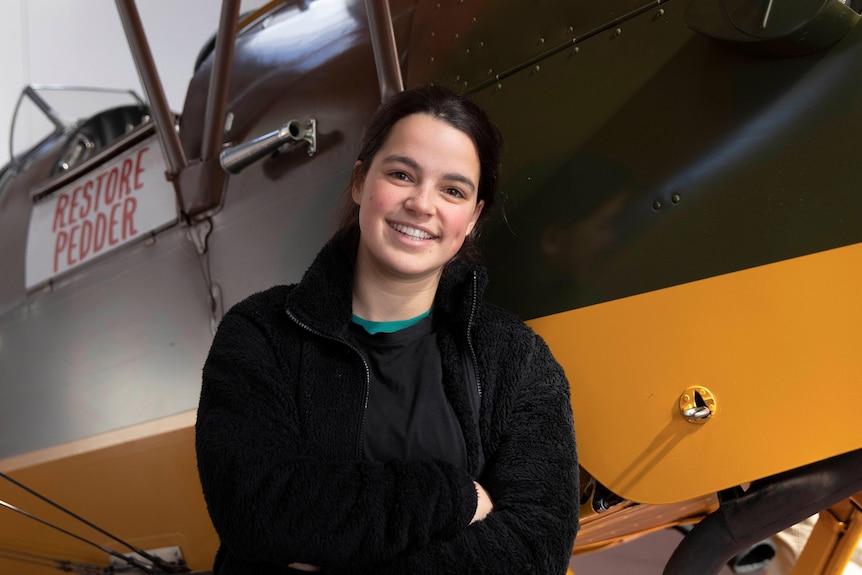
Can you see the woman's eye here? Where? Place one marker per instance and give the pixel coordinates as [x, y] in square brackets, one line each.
[400, 176]
[455, 192]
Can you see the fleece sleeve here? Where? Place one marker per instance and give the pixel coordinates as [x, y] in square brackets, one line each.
[532, 478]
[270, 502]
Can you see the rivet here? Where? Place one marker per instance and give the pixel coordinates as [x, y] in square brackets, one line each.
[661, 11]
[686, 398]
[570, 30]
[431, 59]
[575, 50]
[541, 41]
[675, 198]
[656, 205]
[433, 34]
[458, 78]
[467, 51]
[457, 36]
[536, 69]
[473, 21]
[617, 32]
[498, 87]
[481, 44]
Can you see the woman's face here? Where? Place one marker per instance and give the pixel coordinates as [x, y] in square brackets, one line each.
[418, 199]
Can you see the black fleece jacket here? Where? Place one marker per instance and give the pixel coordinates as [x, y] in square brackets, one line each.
[280, 428]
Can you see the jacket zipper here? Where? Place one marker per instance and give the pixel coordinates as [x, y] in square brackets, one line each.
[470, 340]
[361, 432]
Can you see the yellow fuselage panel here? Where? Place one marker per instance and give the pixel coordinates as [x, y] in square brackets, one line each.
[778, 346]
[139, 484]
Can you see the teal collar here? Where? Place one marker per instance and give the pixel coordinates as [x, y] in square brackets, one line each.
[373, 327]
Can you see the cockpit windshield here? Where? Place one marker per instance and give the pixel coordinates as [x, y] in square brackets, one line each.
[43, 110]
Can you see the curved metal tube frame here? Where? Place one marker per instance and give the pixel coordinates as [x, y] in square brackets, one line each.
[770, 505]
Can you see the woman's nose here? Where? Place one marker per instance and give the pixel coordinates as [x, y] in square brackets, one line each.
[420, 199]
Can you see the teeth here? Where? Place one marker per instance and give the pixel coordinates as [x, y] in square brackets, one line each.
[412, 232]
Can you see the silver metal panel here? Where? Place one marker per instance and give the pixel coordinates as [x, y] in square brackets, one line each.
[279, 211]
[119, 343]
[122, 341]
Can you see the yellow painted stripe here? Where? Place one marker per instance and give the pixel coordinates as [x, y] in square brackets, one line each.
[780, 347]
[100, 441]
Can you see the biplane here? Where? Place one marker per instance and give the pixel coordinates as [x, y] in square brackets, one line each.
[682, 222]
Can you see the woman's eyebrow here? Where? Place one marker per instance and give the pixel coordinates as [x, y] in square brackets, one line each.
[407, 160]
[413, 164]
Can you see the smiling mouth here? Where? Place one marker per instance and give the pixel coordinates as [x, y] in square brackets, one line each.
[411, 232]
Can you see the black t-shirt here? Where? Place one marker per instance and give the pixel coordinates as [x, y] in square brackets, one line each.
[408, 415]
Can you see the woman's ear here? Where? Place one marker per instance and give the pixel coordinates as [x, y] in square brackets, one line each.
[475, 217]
[357, 179]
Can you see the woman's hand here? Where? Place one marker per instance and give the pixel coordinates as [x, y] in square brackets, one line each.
[484, 505]
[304, 567]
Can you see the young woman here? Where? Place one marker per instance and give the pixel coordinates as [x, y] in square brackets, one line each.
[379, 417]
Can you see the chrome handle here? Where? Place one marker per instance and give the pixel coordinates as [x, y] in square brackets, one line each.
[234, 160]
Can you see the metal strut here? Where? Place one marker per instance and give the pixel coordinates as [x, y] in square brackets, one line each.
[385, 51]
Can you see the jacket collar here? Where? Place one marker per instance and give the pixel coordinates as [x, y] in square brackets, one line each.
[323, 300]
[461, 287]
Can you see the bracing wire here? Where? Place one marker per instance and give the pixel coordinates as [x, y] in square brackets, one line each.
[103, 549]
[156, 561]
[53, 563]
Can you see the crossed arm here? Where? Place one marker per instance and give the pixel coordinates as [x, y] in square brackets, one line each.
[483, 507]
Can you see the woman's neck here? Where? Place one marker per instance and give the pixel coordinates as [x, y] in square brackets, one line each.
[378, 298]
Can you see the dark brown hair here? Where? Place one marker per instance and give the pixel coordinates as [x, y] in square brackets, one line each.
[443, 104]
